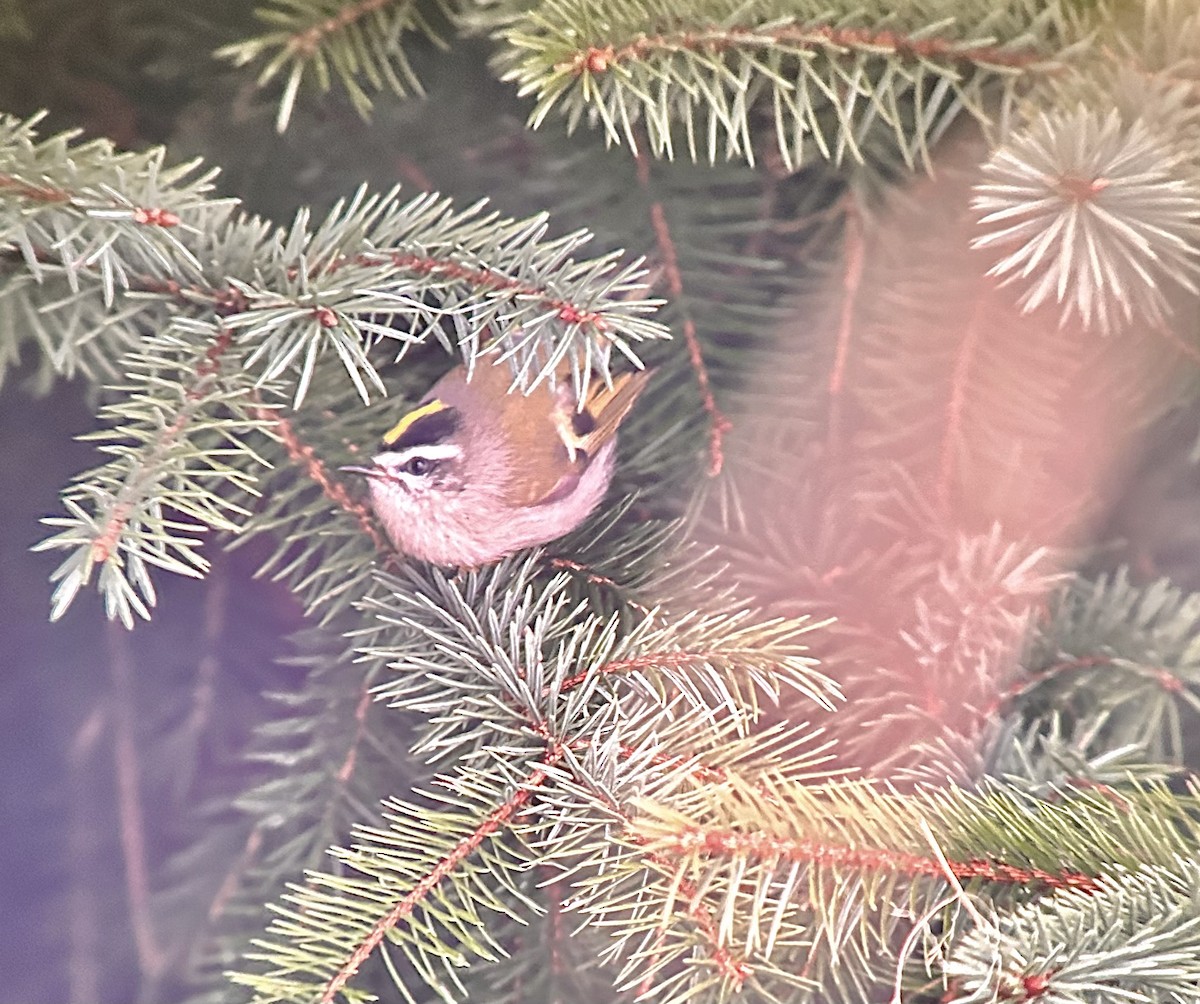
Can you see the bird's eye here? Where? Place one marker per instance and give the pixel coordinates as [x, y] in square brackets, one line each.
[419, 466]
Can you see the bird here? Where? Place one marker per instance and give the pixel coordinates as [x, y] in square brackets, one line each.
[474, 473]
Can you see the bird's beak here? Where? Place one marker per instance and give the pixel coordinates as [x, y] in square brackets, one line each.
[370, 472]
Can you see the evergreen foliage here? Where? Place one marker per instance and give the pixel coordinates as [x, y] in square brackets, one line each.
[825, 76]
[840, 697]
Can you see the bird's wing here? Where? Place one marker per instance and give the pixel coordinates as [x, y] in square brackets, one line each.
[553, 441]
[607, 405]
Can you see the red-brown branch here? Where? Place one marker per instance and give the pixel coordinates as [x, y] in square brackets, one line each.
[82, 907]
[717, 842]
[346, 771]
[714, 40]
[648, 661]
[732, 967]
[1161, 675]
[411, 171]
[480, 278]
[854, 255]
[305, 457]
[36, 193]
[305, 43]
[204, 689]
[718, 423]
[956, 406]
[596, 579]
[254, 841]
[105, 544]
[154, 216]
[494, 821]
[229, 300]
[233, 877]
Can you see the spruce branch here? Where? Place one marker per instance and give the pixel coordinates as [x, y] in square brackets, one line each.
[131, 807]
[799, 877]
[377, 268]
[718, 423]
[331, 755]
[374, 268]
[489, 662]
[112, 213]
[1095, 213]
[498, 650]
[326, 540]
[409, 883]
[358, 43]
[1111, 666]
[173, 436]
[1135, 937]
[822, 77]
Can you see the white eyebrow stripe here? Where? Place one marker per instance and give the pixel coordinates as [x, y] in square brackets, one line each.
[430, 451]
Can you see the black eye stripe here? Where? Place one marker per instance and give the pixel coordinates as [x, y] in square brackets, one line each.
[428, 429]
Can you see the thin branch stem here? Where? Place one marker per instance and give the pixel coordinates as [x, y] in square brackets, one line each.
[648, 661]
[306, 43]
[150, 216]
[836, 41]
[305, 457]
[956, 405]
[718, 423]
[229, 885]
[83, 912]
[725, 843]
[130, 811]
[491, 823]
[854, 256]
[106, 544]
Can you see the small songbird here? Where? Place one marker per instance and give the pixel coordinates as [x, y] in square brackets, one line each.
[475, 473]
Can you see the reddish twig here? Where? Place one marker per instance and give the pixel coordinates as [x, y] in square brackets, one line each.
[233, 877]
[254, 841]
[411, 171]
[105, 544]
[228, 300]
[150, 216]
[1161, 675]
[306, 43]
[718, 423]
[854, 254]
[648, 661]
[955, 407]
[346, 771]
[305, 457]
[718, 39]
[216, 598]
[494, 821]
[717, 842]
[731, 966]
[35, 193]
[480, 278]
[596, 579]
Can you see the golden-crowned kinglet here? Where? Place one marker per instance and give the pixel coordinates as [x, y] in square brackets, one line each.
[475, 473]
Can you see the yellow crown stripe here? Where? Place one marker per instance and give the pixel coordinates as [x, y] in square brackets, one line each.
[398, 430]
